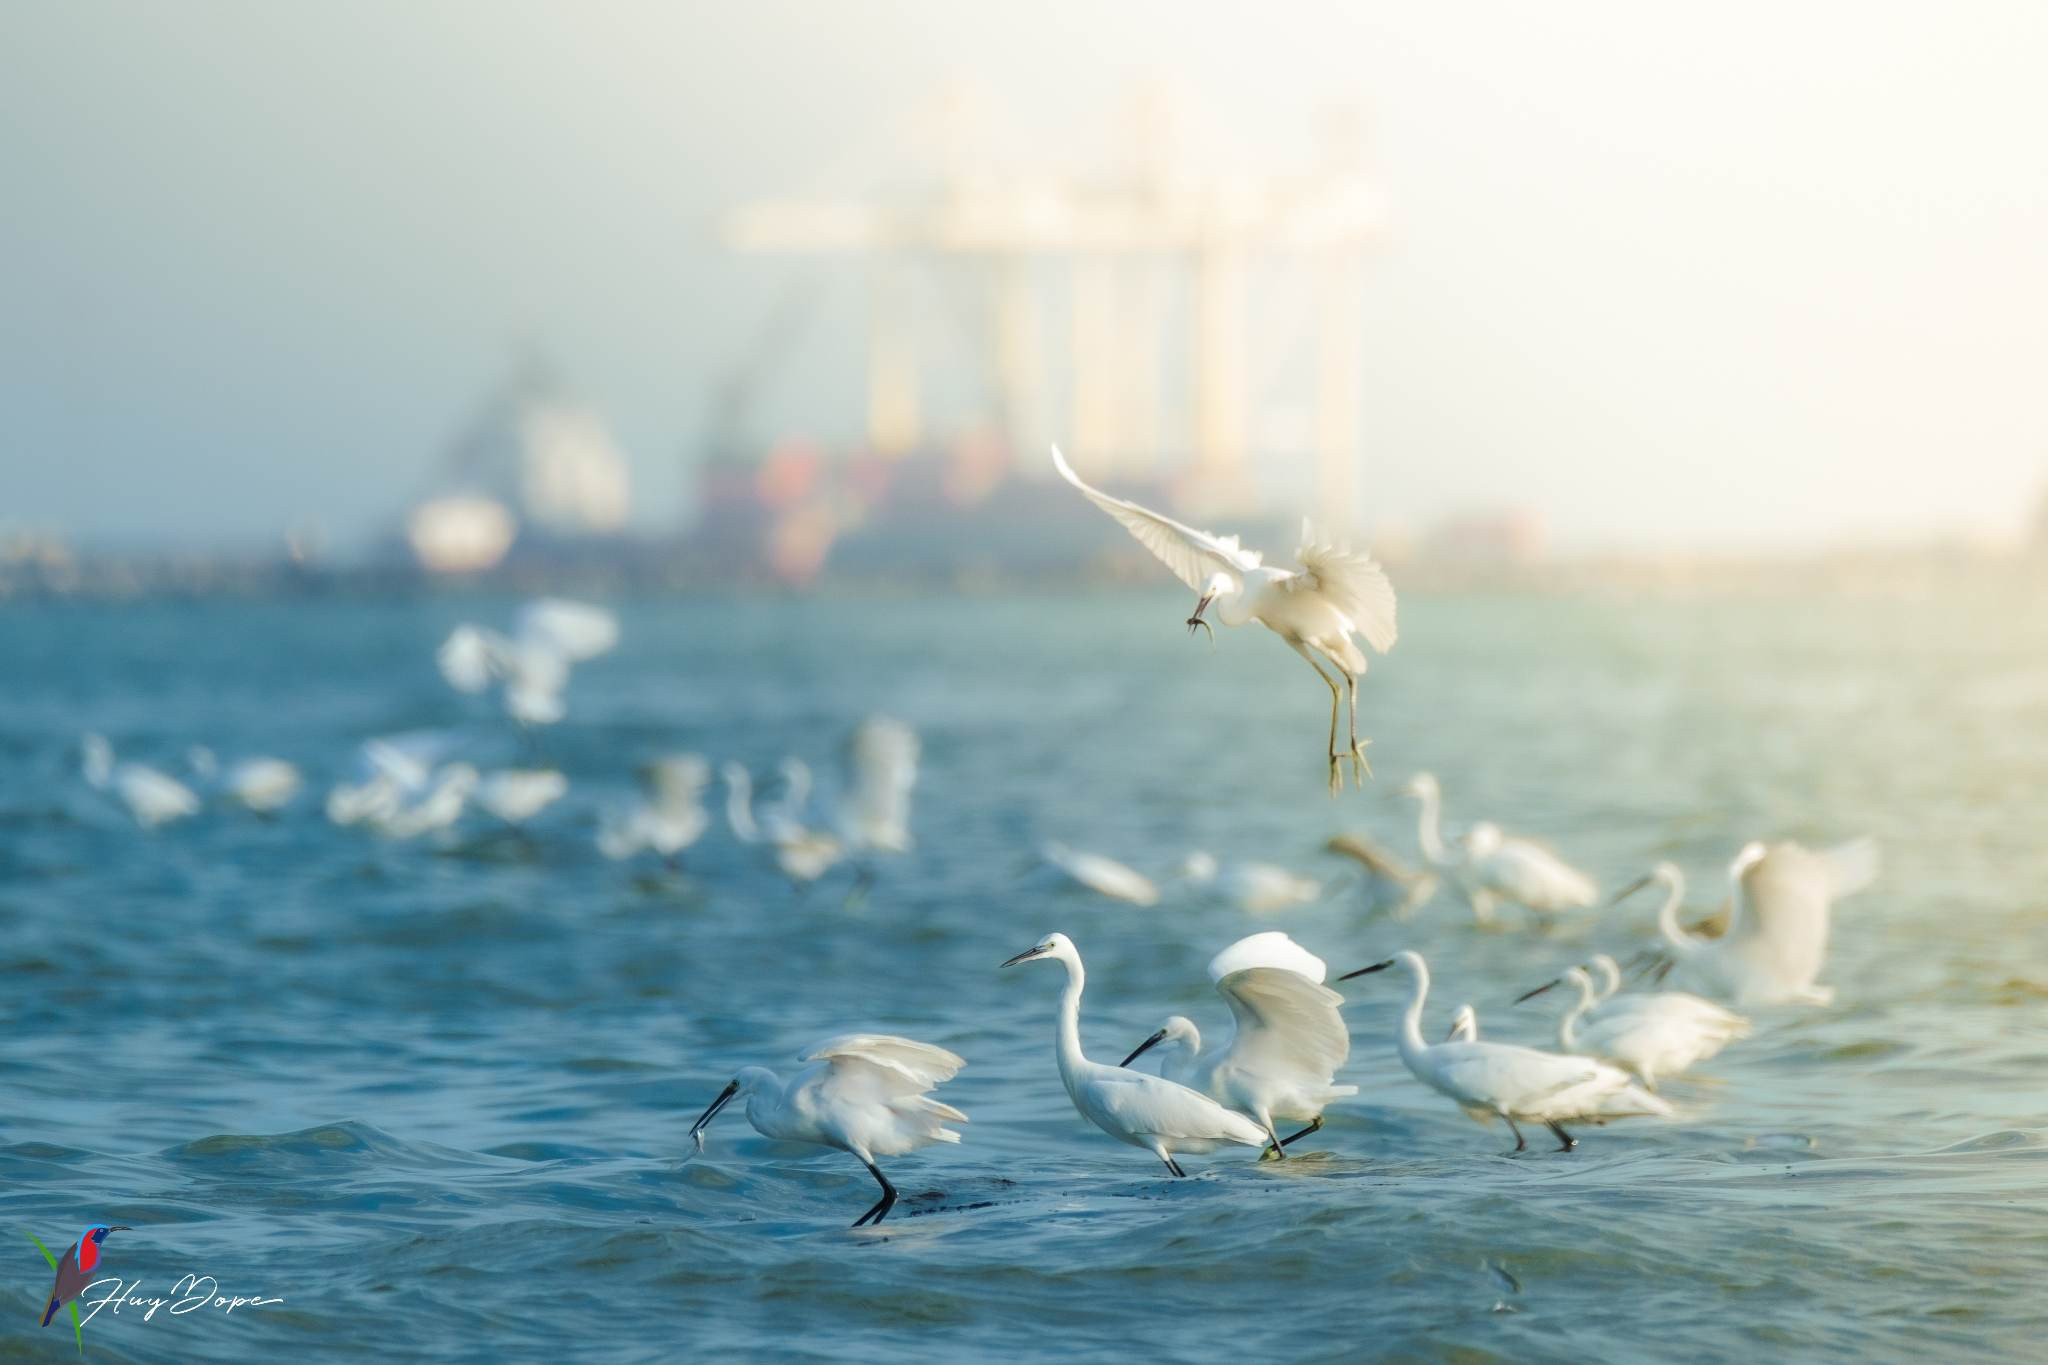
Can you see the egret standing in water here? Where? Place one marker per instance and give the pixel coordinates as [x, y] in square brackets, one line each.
[863, 1093]
[1497, 1080]
[1151, 1112]
[1650, 1040]
[1778, 920]
[1287, 1044]
[1316, 609]
[153, 797]
[1491, 866]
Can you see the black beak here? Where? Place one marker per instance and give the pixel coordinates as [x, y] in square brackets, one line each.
[1366, 971]
[705, 1118]
[1140, 1050]
[1531, 995]
[1452, 1032]
[1024, 956]
[1196, 619]
[1629, 890]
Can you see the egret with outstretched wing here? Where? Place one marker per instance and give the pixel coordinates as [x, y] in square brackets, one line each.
[1317, 609]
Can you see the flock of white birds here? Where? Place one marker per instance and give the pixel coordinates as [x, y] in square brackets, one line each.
[869, 1094]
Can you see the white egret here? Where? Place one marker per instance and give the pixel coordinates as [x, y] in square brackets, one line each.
[1778, 920]
[390, 771]
[1287, 1044]
[801, 852]
[1464, 1025]
[516, 795]
[262, 785]
[864, 1093]
[151, 796]
[668, 819]
[1648, 1039]
[1316, 609]
[881, 760]
[1499, 1080]
[1491, 866]
[1391, 886]
[435, 805]
[1161, 1116]
[533, 663]
[1104, 876]
[1258, 887]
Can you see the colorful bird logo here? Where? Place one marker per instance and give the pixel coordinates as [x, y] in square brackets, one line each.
[75, 1269]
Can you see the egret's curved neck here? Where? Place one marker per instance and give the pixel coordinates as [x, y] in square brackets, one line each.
[1667, 918]
[1068, 1042]
[1610, 976]
[1234, 608]
[1429, 830]
[739, 807]
[1410, 1038]
[1568, 1027]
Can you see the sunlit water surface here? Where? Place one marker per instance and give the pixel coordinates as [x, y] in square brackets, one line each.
[434, 1095]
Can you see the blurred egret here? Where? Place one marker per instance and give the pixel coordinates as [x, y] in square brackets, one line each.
[1103, 875]
[803, 853]
[1492, 866]
[548, 636]
[1464, 1026]
[881, 760]
[262, 785]
[1147, 1111]
[863, 1093]
[151, 796]
[669, 818]
[1253, 886]
[1287, 1044]
[1649, 1040]
[1390, 886]
[516, 795]
[1499, 1080]
[1778, 920]
[1316, 609]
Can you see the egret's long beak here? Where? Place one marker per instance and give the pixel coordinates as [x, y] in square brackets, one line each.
[1141, 1049]
[1531, 995]
[1196, 619]
[704, 1119]
[1451, 1032]
[1365, 971]
[1629, 890]
[1025, 956]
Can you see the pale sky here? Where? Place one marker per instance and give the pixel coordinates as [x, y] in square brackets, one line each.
[1738, 274]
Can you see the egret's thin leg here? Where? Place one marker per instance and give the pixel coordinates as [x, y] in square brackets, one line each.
[1315, 1126]
[883, 1205]
[1565, 1141]
[1357, 748]
[1521, 1143]
[1336, 702]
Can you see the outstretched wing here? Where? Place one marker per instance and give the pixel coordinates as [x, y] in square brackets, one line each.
[1192, 555]
[1287, 1025]
[1352, 583]
[905, 1065]
[1270, 949]
[570, 630]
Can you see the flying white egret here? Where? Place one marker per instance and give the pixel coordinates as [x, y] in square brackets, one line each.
[1391, 887]
[1287, 1045]
[391, 770]
[864, 1093]
[1258, 887]
[262, 785]
[516, 795]
[435, 805]
[1499, 1080]
[548, 636]
[668, 819]
[1492, 866]
[1649, 1039]
[1103, 875]
[1316, 609]
[1778, 920]
[1161, 1116]
[151, 796]
[881, 761]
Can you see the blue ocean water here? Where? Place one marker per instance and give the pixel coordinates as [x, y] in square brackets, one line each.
[434, 1094]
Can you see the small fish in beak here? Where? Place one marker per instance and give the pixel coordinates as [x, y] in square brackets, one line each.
[1196, 619]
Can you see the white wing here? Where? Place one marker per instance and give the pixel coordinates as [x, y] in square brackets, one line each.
[1534, 876]
[1273, 949]
[467, 658]
[913, 1066]
[572, 630]
[893, 1073]
[1288, 1027]
[1104, 876]
[1139, 1102]
[1352, 583]
[1192, 555]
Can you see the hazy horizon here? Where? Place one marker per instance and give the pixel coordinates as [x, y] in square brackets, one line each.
[1759, 278]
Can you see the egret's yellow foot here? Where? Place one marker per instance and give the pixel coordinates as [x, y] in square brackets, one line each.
[1336, 775]
[1361, 769]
